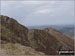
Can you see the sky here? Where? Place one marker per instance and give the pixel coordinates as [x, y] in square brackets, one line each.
[34, 13]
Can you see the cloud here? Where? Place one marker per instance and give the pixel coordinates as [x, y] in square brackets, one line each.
[31, 2]
[44, 11]
[34, 12]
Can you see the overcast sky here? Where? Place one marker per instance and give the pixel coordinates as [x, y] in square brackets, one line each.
[33, 13]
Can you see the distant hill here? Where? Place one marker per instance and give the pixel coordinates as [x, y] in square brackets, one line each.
[47, 41]
[67, 30]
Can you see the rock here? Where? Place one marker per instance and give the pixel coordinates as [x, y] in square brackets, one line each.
[12, 31]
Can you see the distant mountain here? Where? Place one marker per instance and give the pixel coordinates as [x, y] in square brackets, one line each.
[47, 41]
[67, 30]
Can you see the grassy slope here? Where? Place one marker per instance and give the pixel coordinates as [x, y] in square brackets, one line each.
[18, 49]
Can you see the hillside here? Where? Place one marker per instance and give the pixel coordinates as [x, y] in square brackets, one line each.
[61, 38]
[48, 41]
[17, 49]
[67, 30]
[12, 31]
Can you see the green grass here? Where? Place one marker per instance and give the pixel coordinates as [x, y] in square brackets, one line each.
[7, 35]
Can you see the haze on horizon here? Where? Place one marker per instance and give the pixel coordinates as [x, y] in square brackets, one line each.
[33, 13]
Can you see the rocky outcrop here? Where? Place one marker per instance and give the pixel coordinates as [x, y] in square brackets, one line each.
[12, 31]
[48, 41]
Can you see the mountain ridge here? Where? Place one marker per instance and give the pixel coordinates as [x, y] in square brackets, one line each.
[40, 40]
